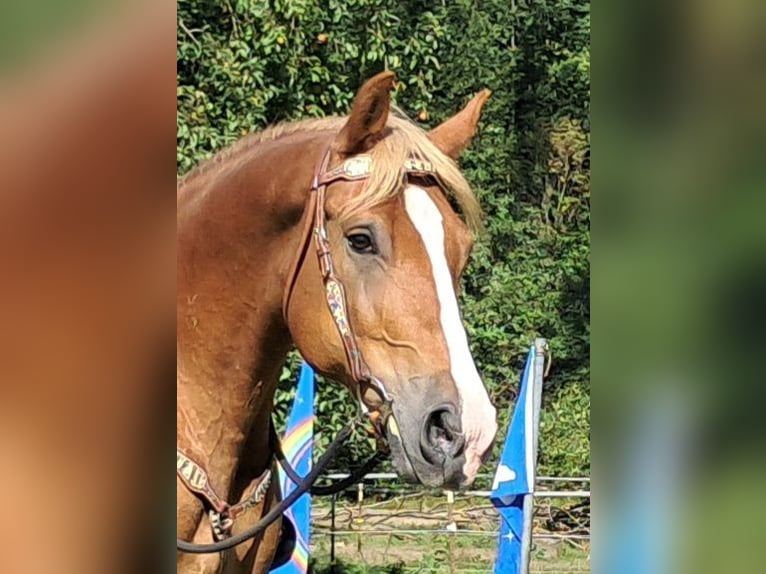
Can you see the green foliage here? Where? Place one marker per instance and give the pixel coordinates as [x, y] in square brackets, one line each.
[243, 65]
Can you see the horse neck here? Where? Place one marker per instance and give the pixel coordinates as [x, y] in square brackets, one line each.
[238, 232]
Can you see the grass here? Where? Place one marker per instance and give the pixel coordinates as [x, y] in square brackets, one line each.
[420, 551]
[436, 554]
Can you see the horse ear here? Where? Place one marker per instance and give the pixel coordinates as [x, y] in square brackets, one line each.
[455, 134]
[369, 114]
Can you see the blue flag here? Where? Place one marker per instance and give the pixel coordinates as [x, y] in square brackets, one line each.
[298, 444]
[513, 487]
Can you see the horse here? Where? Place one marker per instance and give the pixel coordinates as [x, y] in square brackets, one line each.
[376, 308]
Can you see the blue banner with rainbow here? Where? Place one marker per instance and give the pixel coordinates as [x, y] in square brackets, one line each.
[298, 445]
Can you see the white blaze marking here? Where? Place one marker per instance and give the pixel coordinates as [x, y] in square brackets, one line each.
[478, 415]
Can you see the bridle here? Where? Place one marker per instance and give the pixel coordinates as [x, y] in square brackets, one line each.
[194, 476]
[356, 168]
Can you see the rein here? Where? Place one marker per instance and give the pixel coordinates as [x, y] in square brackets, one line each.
[193, 475]
[302, 486]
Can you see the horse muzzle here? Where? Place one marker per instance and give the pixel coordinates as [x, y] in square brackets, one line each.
[425, 434]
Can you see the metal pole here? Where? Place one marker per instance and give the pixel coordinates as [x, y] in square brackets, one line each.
[541, 347]
[332, 532]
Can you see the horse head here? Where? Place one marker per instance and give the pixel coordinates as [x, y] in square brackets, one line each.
[399, 248]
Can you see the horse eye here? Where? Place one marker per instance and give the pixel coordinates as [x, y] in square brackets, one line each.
[361, 243]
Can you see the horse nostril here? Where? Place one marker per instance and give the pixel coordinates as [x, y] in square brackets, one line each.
[443, 435]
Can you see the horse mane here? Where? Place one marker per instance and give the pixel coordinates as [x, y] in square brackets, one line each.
[403, 140]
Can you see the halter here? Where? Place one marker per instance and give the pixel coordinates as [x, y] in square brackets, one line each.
[194, 476]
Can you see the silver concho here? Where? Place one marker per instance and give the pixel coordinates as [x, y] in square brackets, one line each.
[357, 166]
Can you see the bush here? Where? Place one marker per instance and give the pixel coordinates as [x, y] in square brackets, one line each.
[243, 65]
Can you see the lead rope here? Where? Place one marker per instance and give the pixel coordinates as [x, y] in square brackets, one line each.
[353, 477]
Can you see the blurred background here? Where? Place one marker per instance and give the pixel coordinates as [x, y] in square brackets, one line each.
[679, 273]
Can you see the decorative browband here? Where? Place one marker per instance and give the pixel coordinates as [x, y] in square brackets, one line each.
[360, 167]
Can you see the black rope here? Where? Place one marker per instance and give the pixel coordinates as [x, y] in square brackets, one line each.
[334, 488]
[302, 486]
[352, 479]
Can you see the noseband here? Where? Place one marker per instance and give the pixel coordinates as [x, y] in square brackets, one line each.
[194, 476]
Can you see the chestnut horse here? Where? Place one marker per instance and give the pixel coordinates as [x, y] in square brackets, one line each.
[249, 290]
